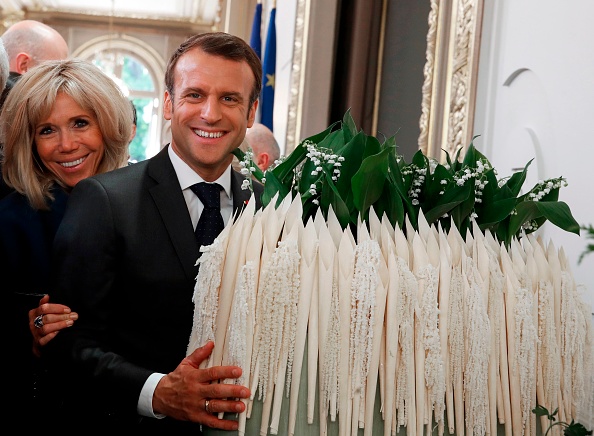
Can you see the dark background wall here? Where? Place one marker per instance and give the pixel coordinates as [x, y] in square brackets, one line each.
[401, 76]
[399, 106]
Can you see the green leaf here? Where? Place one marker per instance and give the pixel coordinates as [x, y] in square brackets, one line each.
[271, 188]
[461, 213]
[576, 429]
[540, 411]
[494, 212]
[353, 156]
[368, 181]
[390, 203]
[420, 160]
[450, 202]
[515, 182]
[372, 147]
[335, 141]
[332, 198]
[557, 212]
[454, 163]
[257, 172]
[285, 170]
[434, 185]
[348, 126]
[470, 157]
[238, 153]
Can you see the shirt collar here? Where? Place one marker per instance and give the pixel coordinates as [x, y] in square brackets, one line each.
[188, 177]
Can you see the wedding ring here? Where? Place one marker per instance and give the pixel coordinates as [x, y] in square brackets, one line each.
[207, 406]
[38, 322]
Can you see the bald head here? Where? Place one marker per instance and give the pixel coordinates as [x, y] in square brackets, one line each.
[263, 143]
[30, 42]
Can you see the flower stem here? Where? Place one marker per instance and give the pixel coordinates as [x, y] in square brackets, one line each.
[553, 425]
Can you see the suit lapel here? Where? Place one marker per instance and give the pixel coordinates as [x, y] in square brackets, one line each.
[172, 207]
[169, 200]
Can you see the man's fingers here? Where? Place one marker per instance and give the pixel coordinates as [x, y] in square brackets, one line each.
[223, 406]
[200, 354]
[214, 391]
[216, 373]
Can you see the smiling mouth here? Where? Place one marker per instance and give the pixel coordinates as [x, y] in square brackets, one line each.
[73, 163]
[204, 134]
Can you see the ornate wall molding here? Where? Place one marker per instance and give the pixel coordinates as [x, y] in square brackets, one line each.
[449, 90]
[297, 76]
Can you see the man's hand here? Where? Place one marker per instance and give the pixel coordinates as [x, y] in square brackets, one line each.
[55, 317]
[183, 394]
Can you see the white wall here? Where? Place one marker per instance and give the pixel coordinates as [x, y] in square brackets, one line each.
[535, 99]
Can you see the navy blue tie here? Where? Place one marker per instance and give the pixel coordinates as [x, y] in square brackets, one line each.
[211, 222]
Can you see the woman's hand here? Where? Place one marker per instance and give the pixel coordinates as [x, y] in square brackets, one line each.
[54, 317]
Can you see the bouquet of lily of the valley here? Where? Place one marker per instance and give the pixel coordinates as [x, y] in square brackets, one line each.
[373, 293]
[351, 172]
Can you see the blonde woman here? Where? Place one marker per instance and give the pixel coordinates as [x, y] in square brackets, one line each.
[62, 122]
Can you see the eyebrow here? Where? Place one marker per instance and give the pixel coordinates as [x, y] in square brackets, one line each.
[199, 90]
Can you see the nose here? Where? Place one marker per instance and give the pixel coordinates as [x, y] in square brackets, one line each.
[68, 141]
[211, 110]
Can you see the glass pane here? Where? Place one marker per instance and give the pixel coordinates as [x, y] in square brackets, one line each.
[135, 75]
[107, 61]
[136, 82]
[138, 146]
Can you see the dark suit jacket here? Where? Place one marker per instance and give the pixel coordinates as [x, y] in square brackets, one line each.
[26, 237]
[125, 261]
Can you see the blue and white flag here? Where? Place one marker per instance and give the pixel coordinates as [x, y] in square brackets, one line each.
[268, 69]
[256, 37]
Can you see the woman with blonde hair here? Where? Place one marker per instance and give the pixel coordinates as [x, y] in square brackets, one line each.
[62, 122]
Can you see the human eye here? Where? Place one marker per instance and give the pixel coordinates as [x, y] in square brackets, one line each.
[44, 130]
[231, 99]
[194, 96]
[81, 122]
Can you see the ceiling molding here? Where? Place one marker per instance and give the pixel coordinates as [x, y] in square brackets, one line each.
[58, 18]
[185, 16]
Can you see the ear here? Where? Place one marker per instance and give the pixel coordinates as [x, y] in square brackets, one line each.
[252, 113]
[167, 106]
[263, 161]
[22, 63]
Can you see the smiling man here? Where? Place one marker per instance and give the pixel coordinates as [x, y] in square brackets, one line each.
[126, 252]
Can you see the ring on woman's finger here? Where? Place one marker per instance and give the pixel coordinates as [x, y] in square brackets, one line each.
[38, 322]
[207, 406]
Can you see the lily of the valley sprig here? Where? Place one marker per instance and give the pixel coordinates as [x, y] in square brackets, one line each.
[350, 171]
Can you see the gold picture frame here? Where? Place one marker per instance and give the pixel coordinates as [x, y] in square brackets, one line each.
[451, 73]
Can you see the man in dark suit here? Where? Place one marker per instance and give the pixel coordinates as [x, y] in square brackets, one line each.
[126, 254]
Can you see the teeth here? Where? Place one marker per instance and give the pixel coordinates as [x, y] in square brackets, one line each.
[208, 134]
[73, 163]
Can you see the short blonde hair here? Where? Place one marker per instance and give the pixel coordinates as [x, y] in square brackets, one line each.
[31, 100]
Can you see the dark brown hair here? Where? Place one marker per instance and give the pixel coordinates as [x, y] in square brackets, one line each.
[218, 44]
